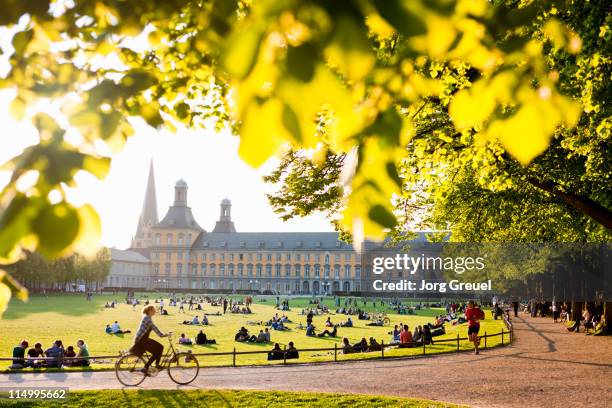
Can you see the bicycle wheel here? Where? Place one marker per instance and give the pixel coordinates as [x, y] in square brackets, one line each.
[129, 370]
[386, 321]
[183, 368]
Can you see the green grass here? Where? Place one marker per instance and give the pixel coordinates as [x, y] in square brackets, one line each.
[223, 398]
[70, 317]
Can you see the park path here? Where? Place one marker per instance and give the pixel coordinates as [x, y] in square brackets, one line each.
[545, 366]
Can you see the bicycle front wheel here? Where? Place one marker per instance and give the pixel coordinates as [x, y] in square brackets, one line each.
[183, 368]
[386, 321]
[130, 370]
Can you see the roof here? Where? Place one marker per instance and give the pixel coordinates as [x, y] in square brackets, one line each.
[226, 201]
[270, 240]
[181, 183]
[148, 215]
[126, 255]
[179, 216]
[276, 240]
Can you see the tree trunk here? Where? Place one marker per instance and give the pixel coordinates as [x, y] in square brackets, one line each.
[583, 204]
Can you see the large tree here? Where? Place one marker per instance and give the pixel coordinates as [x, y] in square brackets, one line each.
[375, 83]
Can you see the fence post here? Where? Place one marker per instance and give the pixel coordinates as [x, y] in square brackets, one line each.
[234, 357]
[424, 346]
[335, 352]
[485, 336]
[285, 354]
[502, 333]
[511, 333]
[457, 341]
[382, 349]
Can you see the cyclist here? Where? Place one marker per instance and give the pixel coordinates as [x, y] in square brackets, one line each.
[143, 343]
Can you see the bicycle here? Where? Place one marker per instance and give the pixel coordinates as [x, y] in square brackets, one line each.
[381, 317]
[182, 367]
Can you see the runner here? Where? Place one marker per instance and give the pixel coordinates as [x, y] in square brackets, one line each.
[474, 314]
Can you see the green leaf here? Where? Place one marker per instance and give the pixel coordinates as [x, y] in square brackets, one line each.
[382, 216]
[241, 50]
[405, 21]
[57, 227]
[21, 41]
[98, 166]
[301, 61]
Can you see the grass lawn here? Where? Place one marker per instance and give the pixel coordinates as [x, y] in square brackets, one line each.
[71, 317]
[221, 398]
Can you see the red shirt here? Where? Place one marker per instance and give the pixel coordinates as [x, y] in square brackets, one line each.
[472, 315]
[405, 336]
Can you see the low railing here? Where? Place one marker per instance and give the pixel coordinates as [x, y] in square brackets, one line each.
[60, 361]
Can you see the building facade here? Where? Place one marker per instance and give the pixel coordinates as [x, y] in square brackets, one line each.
[177, 253]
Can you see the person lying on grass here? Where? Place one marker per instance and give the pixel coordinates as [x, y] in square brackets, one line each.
[348, 323]
[195, 321]
[332, 333]
[116, 329]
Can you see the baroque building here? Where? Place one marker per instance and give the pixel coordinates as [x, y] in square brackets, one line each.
[181, 255]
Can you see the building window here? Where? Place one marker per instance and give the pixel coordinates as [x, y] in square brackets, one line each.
[222, 269]
[287, 270]
[157, 239]
[231, 269]
[337, 271]
[213, 269]
[347, 258]
[222, 256]
[278, 270]
[194, 268]
[203, 268]
[241, 257]
[259, 270]
[179, 269]
[188, 239]
[250, 270]
[269, 270]
[297, 257]
[203, 257]
[167, 268]
[297, 269]
[240, 270]
[259, 257]
[250, 257]
[306, 271]
[317, 271]
[317, 257]
[213, 257]
[288, 256]
[326, 259]
[269, 257]
[180, 240]
[357, 271]
[231, 257]
[169, 239]
[156, 269]
[347, 271]
[326, 269]
[307, 257]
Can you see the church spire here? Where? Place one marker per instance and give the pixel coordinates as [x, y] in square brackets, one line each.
[148, 216]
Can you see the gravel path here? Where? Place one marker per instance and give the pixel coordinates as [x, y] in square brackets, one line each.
[545, 366]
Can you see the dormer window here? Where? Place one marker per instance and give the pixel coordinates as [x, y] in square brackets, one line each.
[318, 244]
[338, 244]
[205, 244]
[261, 244]
[242, 244]
[298, 244]
[280, 244]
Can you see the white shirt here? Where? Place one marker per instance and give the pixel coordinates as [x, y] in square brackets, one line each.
[115, 327]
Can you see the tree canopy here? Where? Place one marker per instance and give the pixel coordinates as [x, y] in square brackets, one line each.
[401, 99]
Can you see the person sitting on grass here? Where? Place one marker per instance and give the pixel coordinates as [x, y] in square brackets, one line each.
[426, 337]
[83, 354]
[261, 337]
[396, 334]
[117, 330]
[19, 355]
[406, 336]
[375, 323]
[276, 353]
[204, 320]
[348, 323]
[374, 345]
[310, 330]
[361, 346]
[69, 353]
[328, 322]
[291, 352]
[35, 352]
[108, 329]
[201, 339]
[184, 340]
[346, 346]
[332, 333]
[53, 353]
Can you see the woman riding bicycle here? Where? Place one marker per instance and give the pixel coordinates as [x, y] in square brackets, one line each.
[143, 343]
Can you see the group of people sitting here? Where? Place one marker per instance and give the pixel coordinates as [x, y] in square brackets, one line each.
[115, 329]
[593, 319]
[54, 356]
[278, 323]
[278, 354]
[243, 336]
[200, 339]
[311, 332]
[243, 310]
[361, 346]
[110, 305]
[421, 334]
[196, 321]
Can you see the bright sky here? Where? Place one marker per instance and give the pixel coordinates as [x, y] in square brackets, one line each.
[209, 163]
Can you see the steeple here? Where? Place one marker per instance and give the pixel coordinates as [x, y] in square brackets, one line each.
[148, 216]
[225, 223]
